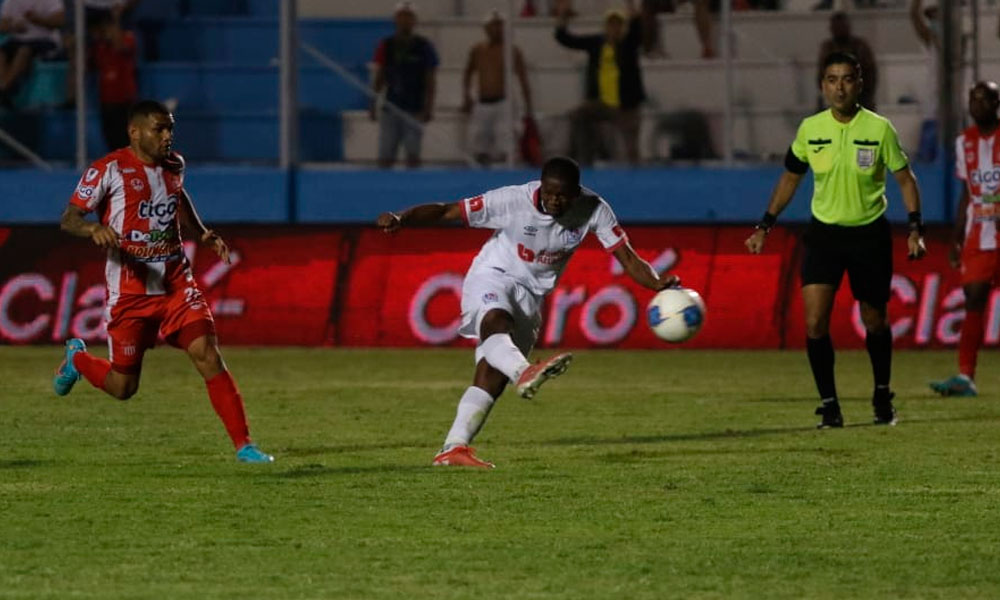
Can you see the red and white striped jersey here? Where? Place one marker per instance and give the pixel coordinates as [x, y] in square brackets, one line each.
[139, 201]
[977, 163]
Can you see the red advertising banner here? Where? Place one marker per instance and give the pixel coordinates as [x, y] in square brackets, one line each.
[278, 289]
[360, 287]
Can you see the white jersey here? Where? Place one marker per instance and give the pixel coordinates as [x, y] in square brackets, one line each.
[529, 245]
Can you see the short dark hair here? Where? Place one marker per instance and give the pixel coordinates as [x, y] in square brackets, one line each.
[145, 108]
[563, 168]
[842, 58]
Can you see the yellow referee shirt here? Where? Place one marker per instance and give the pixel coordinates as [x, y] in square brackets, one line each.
[849, 162]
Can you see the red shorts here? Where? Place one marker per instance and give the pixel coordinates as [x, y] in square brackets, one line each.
[980, 265]
[181, 317]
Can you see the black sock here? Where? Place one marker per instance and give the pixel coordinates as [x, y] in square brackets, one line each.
[820, 351]
[879, 344]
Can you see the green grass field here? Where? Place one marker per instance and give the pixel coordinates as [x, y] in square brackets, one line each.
[636, 475]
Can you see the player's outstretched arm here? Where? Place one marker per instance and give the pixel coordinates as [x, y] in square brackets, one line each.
[74, 223]
[423, 214]
[780, 197]
[911, 200]
[641, 271]
[191, 221]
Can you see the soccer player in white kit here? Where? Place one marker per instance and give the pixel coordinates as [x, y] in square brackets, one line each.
[538, 226]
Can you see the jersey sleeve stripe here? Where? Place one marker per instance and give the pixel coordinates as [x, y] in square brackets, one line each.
[617, 245]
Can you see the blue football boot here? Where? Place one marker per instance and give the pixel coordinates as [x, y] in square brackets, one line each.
[67, 375]
[250, 453]
[959, 385]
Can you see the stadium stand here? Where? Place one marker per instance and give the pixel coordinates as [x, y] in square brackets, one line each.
[217, 59]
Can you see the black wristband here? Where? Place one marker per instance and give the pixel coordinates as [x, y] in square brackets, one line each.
[766, 222]
[915, 221]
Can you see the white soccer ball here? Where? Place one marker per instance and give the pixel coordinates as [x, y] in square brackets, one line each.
[675, 314]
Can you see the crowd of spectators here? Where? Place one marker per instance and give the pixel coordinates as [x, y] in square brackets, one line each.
[45, 30]
[605, 126]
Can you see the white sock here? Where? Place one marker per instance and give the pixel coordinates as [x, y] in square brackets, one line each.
[501, 354]
[473, 408]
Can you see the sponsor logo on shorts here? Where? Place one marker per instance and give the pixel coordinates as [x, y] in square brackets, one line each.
[129, 350]
[490, 298]
[866, 157]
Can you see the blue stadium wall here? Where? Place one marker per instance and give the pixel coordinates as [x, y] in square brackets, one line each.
[264, 195]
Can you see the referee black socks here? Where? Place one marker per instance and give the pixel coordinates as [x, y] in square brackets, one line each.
[879, 344]
[820, 351]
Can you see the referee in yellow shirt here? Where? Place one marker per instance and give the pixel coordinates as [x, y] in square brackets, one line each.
[849, 149]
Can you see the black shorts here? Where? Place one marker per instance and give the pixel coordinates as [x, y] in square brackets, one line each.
[865, 252]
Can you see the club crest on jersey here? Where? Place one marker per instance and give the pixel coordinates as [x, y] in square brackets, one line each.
[91, 174]
[572, 236]
[137, 185]
[866, 157]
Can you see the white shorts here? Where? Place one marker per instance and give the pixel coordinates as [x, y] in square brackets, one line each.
[485, 291]
[488, 134]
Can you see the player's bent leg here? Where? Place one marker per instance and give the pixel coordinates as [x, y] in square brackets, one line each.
[500, 351]
[118, 381]
[497, 347]
[223, 393]
[121, 385]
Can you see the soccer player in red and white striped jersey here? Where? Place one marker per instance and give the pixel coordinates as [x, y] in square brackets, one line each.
[977, 235]
[138, 195]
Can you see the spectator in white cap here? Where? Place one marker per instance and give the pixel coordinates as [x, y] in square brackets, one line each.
[486, 113]
[405, 65]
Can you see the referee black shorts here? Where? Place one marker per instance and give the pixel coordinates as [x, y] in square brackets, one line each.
[865, 252]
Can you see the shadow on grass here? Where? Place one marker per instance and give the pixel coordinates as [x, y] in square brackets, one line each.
[746, 433]
[345, 448]
[21, 463]
[316, 470]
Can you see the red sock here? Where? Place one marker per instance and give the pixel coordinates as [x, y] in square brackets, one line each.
[95, 370]
[228, 404]
[970, 342]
